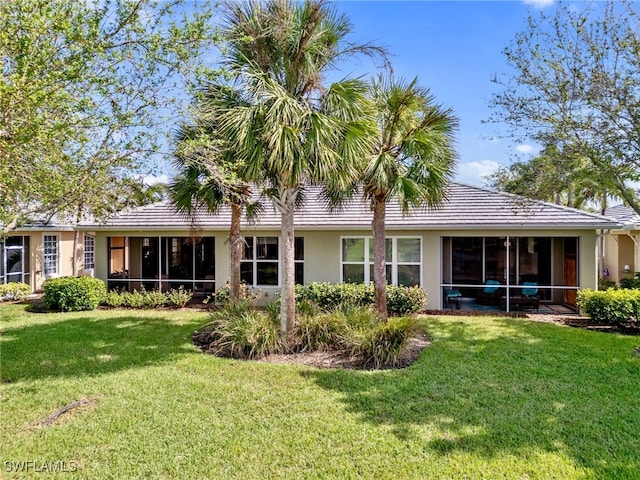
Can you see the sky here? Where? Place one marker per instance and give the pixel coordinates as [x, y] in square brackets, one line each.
[455, 49]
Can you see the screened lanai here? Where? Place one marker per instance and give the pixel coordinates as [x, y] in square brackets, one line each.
[509, 272]
[161, 263]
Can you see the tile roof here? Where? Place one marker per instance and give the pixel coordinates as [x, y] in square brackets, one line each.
[466, 207]
[623, 214]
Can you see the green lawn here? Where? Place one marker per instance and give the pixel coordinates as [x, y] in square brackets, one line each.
[491, 398]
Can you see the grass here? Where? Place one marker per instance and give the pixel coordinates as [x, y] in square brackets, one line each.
[491, 398]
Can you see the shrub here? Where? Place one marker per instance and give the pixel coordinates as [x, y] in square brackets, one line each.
[604, 284]
[631, 282]
[384, 344]
[114, 299]
[329, 296]
[14, 291]
[240, 332]
[148, 299]
[325, 331]
[611, 307]
[247, 294]
[71, 294]
[405, 300]
[326, 296]
[178, 298]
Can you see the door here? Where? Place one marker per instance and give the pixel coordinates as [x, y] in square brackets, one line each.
[14, 264]
[570, 270]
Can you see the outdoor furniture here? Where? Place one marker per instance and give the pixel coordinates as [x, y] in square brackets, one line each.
[452, 297]
[490, 294]
[528, 298]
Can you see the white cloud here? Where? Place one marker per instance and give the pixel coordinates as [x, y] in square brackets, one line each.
[473, 173]
[539, 3]
[524, 148]
[154, 179]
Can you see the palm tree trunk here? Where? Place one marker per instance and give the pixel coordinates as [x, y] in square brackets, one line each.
[379, 254]
[287, 292]
[235, 249]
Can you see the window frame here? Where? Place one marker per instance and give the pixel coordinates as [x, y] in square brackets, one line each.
[47, 255]
[254, 261]
[89, 253]
[368, 257]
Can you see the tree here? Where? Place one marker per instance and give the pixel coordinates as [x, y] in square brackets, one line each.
[85, 96]
[211, 175]
[412, 161]
[575, 87]
[294, 129]
[564, 177]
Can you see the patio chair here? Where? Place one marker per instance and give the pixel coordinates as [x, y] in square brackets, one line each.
[528, 297]
[490, 294]
[452, 298]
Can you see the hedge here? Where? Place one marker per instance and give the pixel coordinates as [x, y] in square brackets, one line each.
[147, 299]
[71, 294]
[327, 296]
[611, 307]
[14, 291]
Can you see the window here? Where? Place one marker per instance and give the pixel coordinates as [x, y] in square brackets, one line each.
[14, 259]
[118, 267]
[89, 252]
[403, 257]
[260, 265]
[299, 260]
[50, 255]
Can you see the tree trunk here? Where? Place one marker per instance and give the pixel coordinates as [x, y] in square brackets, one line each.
[76, 239]
[74, 262]
[287, 261]
[379, 255]
[236, 244]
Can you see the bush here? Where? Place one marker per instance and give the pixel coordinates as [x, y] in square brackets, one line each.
[405, 300]
[357, 331]
[14, 291]
[114, 299]
[178, 298]
[326, 296]
[148, 299]
[238, 331]
[71, 294]
[604, 284]
[631, 282]
[611, 307]
[247, 295]
[323, 331]
[383, 344]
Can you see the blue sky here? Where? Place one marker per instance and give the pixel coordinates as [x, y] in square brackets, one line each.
[455, 48]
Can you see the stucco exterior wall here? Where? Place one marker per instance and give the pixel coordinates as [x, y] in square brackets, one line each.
[322, 262]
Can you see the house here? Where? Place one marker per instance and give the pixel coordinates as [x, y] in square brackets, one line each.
[622, 248]
[475, 236]
[43, 249]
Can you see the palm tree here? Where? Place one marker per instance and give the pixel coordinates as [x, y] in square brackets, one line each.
[412, 161]
[209, 177]
[293, 130]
